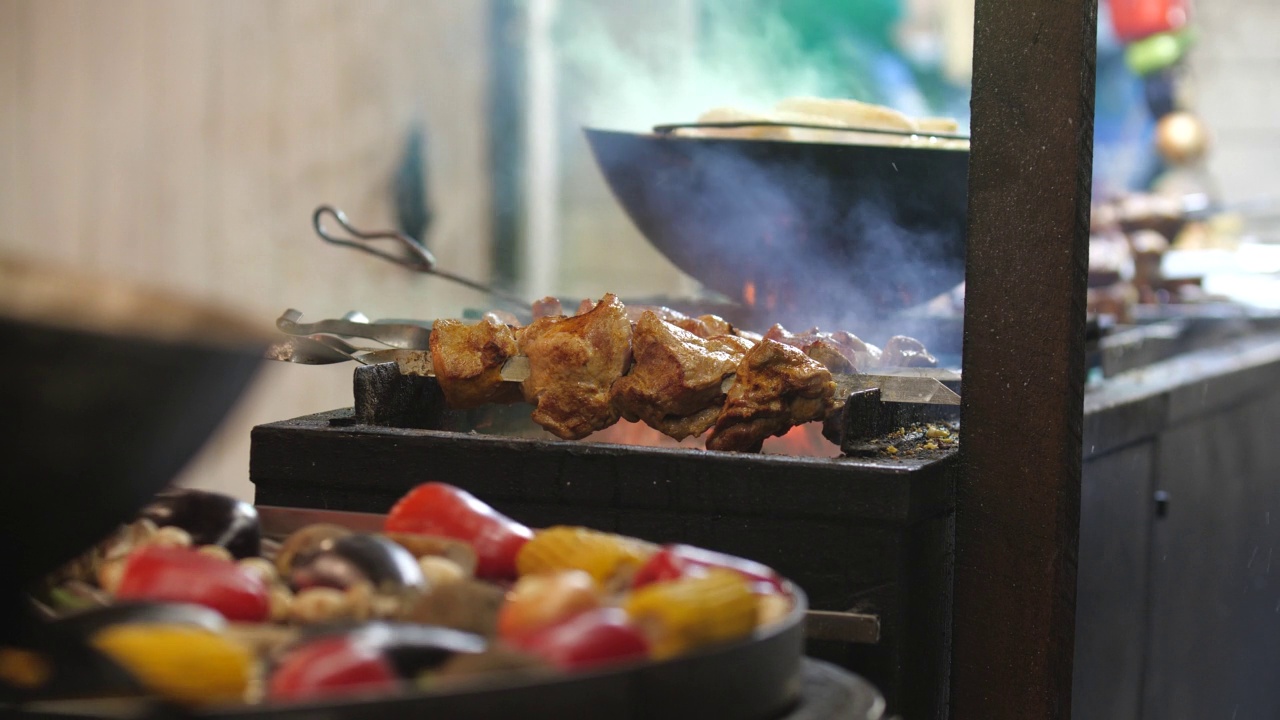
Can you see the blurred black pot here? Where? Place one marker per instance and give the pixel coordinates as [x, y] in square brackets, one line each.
[107, 391]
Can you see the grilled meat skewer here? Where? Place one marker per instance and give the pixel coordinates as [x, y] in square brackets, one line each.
[680, 375]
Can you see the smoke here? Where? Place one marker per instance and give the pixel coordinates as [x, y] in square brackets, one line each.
[829, 235]
[634, 65]
[826, 235]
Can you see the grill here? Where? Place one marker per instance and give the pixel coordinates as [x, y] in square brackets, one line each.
[866, 537]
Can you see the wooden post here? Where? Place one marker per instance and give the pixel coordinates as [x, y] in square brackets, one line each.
[1018, 502]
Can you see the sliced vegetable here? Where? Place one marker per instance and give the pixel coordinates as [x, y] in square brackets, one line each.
[305, 542]
[674, 562]
[354, 559]
[434, 546]
[681, 615]
[604, 556]
[539, 601]
[599, 637]
[85, 623]
[183, 575]
[413, 649]
[211, 518]
[469, 605]
[180, 662]
[440, 509]
[374, 656]
[331, 666]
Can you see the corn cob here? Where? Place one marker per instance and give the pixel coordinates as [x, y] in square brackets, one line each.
[685, 614]
[604, 556]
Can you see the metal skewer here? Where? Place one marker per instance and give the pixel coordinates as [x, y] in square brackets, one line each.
[407, 252]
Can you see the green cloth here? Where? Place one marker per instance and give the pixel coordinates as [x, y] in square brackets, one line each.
[823, 25]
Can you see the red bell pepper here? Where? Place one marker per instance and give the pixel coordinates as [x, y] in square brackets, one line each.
[599, 637]
[674, 562]
[439, 509]
[331, 666]
[1137, 19]
[183, 575]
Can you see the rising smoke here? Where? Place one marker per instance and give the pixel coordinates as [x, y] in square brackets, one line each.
[810, 235]
[632, 65]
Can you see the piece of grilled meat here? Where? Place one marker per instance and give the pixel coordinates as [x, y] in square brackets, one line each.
[675, 384]
[840, 352]
[573, 363]
[468, 360]
[903, 351]
[704, 326]
[777, 387]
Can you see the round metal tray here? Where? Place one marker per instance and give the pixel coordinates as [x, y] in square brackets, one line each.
[757, 678]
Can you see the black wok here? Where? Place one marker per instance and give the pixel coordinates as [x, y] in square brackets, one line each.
[806, 231]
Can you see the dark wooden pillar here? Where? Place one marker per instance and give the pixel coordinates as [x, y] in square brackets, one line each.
[1018, 503]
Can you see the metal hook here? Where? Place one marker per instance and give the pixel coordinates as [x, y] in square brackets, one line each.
[413, 254]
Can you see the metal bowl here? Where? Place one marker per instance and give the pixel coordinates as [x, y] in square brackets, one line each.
[108, 390]
[812, 232]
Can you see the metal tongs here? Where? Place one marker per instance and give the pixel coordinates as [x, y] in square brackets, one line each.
[406, 251]
[325, 341]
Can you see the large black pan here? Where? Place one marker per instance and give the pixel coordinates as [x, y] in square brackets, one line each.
[108, 389]
[818, 232]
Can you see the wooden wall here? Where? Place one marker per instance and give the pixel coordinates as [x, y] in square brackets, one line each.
[185, 143]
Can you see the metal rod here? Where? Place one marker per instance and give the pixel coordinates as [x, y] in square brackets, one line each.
[1018, 498]
[670, 128]
[407, 252]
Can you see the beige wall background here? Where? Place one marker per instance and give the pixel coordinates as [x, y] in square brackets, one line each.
[184, 143]
[1235, 64]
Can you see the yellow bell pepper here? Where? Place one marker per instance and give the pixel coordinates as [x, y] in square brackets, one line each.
[186, 664]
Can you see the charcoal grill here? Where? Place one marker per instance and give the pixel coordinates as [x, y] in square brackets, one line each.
[866, 538]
